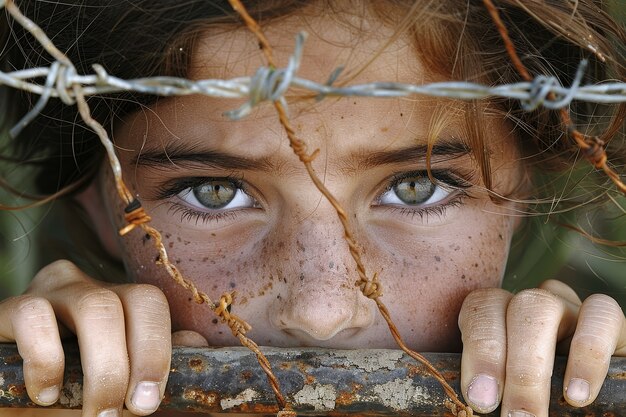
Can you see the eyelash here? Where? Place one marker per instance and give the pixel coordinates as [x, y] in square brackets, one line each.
[448, 178]
[174, 187]
[203, 217]
[453, 180]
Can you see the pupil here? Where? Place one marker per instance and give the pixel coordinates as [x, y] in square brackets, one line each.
[414, 191]
[215, 194]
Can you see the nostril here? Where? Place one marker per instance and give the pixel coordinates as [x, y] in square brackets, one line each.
[308, 323]
[321, 325]
[342, 339]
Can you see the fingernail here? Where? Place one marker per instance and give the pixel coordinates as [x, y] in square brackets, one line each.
[49, 395]
[111, 412]
[483, 392]
[578, 390]
[520, 413]
[146, 396]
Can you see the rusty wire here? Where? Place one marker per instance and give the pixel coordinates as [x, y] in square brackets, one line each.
[591, 147]
[370, 287]
[62, 81]
[270, 83]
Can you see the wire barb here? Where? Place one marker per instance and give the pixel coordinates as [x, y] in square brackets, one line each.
[592, 148]
[236, 324]
[542, 91]
[135, 215]
[270, 84]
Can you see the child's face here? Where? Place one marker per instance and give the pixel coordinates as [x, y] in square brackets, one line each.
[238, 212]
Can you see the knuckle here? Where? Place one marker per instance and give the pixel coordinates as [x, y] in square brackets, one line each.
[110, 377]
[147, 294]
[58, 269]
[150, 307]
[485, 344]
[34, 319]
[486, 349]
[528, 375]
[31, 307]
[479, 296]
[44, 364]
[481, 304]
[535, 299]
[58, 274]
[593, 347]
[601, 319]
[605, 304]
[100, 303]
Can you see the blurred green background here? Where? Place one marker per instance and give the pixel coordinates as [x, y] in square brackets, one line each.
[555, 252]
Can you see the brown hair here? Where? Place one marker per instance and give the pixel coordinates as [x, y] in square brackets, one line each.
[455, 39]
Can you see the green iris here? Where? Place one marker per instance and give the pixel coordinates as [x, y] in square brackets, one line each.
[215, 194]
[414, 190]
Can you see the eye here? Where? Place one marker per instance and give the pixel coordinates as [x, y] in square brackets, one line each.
[415, 190]
[217, 194]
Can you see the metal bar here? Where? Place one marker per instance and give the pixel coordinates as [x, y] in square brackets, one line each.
[316, 381]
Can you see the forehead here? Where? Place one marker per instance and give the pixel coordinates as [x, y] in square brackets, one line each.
[362, 44]
[367, 49]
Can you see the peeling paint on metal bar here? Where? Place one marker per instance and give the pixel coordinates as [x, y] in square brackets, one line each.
[369, 382]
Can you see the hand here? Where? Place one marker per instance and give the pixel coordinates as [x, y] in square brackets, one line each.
[509, 343]
[123, 333]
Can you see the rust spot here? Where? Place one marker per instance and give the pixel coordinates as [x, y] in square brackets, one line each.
[345, 398]
[303, 367]
[413, 370]
[12, 359]
[285, 365]
[196, 365]
[420, 370]
[17, 390]
[449, 375]
[201, 397]
[356, 387]
[309, 380]
[74, 375]
[255, 407]
[246, 375]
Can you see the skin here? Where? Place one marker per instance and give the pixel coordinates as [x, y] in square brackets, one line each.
[284, 253]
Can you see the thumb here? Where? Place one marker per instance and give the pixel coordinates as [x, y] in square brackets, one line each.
[188, 338]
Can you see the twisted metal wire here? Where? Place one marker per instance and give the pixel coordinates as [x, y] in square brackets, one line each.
[270, 84]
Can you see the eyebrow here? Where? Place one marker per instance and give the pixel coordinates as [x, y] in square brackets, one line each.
[193, 156]
[442, 150]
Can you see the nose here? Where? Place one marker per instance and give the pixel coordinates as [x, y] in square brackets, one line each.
[320, 299]
[321, 307]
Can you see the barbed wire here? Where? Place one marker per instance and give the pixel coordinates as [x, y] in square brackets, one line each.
[270, 84]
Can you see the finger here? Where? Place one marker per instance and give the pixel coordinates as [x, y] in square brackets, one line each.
[148, 338]
[533, 321]
[96, 316]
[572, 304]
[600, 328]
[32, 325]
[562, 290]
[483, 329]
[188, 338]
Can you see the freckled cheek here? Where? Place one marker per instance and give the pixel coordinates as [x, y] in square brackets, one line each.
[428, 273]
[216, 262]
